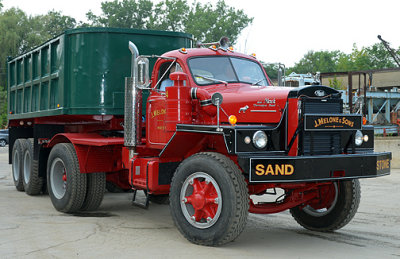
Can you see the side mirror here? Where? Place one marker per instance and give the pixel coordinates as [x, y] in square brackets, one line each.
[142, 65]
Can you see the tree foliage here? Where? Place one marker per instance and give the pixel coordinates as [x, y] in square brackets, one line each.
[322, 61]
[205, 21]
[123, 14]
[365, 58]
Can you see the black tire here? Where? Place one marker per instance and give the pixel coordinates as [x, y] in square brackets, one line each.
[336, 217]
[96, 186]
[67, 194]
[233, 199]
[17, 164]
[3, 142]
[33, 183]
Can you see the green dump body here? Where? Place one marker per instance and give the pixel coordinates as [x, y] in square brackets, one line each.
[81, 72]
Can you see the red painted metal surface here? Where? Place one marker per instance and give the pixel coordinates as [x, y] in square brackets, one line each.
[144, 173]
[75, 123]
[95, 152]
[179, 105]
[120, 179]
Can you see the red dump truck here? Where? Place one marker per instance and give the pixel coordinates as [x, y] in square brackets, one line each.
[216, 138]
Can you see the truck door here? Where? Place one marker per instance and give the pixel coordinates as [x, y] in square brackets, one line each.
[156, 107]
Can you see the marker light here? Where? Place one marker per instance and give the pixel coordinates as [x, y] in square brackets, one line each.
[253, 55]
[214, 47]
[183, 50]
[247, 140]
[364, 120]
[230, 48]
[232, 120]
[365, 138]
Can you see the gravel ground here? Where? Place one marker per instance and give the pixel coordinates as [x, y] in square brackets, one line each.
[31, 228]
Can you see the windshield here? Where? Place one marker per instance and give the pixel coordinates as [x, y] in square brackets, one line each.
[211, 70]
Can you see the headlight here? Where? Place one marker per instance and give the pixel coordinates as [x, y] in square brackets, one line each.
[260, 139]
[359, 138]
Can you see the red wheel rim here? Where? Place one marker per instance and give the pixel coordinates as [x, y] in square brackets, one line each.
[201, 200]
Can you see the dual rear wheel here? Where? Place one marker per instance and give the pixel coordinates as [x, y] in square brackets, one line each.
[24, 168]
[69, 190]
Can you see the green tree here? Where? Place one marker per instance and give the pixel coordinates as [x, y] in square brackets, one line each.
[3, 107]
[170, 15]
[204, 21]
[337, 84]
[271, 69]
[55, 23]
[208, 23]
[322, 61]
[123, 14]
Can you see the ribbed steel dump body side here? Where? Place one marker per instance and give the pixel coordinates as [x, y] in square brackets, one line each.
[81, 71]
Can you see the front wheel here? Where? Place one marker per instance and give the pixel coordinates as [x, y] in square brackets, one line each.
[3, 142]
[209, 199]
[334, 210]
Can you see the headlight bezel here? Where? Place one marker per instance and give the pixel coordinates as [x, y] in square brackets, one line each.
[258, 136]
[358, 138]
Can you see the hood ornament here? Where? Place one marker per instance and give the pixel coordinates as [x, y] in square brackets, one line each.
[243, 109]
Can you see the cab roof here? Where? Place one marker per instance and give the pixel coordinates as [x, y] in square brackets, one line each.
[184, 54]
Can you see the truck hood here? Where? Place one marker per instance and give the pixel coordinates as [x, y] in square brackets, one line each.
[252, 104]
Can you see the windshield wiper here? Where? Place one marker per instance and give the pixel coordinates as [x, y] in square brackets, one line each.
[212, 79]
[256, 83]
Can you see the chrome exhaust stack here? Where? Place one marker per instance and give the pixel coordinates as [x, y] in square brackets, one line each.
[133, 106]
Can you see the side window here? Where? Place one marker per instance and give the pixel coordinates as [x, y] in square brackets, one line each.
[163, 75]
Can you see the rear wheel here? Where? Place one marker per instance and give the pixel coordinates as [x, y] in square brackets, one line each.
[17, 164]
[33, 183]
[209, 199]
[96, 186]
[3, 142]
[65, 184]
[335, 211]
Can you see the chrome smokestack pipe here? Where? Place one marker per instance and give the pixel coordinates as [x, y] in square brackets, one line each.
[133, 103]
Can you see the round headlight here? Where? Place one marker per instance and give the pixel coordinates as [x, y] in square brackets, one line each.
[260, 139]
[359, 138]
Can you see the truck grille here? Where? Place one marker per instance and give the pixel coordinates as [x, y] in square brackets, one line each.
[321, 142]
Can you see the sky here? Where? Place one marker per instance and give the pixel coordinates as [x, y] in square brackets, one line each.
[282, 30]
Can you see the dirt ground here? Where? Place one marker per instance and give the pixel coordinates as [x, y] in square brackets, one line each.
[31, 228]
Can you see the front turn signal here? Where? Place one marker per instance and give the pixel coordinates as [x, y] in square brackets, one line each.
[232, 120]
